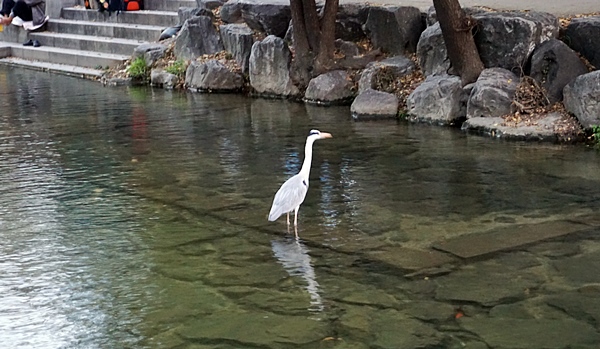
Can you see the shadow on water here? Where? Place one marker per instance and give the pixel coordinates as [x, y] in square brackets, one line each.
[136, 218]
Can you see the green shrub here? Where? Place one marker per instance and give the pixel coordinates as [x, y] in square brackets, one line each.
[138, 69]
[177, 68]
[596, 134]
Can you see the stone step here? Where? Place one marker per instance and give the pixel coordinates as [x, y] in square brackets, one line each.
[157, 18]
[57, 55]
[87, 42]
[169, 5]
[64, 69]
[113, 30]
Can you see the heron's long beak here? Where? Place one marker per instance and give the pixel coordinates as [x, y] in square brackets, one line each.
[326, 135]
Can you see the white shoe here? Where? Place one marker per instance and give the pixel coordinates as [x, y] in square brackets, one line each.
[17, 21]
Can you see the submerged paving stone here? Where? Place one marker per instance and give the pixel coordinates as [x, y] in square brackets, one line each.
[580, 269]
[584, 307]
[505, 238]
[505, 333]
[556, 249]
[532, 308]
[392, 330]
[486, 286]
[431, 311]
[258, 329]
[591, 219]
[410, 260]
[387, 328]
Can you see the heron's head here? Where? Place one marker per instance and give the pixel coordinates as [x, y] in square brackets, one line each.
[316, 134]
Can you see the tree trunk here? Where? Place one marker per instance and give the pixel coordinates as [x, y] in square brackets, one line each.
[324, 59]
[456, 28]
[314, 38]
[301, 69]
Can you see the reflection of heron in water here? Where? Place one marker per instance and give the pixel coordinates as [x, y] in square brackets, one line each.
[293, 255]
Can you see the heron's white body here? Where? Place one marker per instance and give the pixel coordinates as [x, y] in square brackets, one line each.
[292, 193]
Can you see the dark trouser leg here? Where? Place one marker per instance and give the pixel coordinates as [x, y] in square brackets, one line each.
[23, 11]
[7, 6]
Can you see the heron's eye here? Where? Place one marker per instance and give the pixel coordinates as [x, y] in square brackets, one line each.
[314, 132]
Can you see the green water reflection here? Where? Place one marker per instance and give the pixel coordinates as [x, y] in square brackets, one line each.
[136, 218]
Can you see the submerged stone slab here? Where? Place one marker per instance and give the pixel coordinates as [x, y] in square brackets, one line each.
[507, 333]
[501, 239]
[584, 307]
[265, 330]
[580, 269]
[410, 260]
[591, 219]
[488, 285]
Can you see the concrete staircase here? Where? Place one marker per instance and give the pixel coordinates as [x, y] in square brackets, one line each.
[84, 43]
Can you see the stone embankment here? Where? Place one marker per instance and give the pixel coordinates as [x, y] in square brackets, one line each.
[540, 81]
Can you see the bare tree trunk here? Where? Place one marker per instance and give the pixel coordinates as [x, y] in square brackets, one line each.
[456, 28]
[303, 51]
[314, 38]
[324, 58]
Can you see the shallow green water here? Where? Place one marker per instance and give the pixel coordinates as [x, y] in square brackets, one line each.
[136, 218]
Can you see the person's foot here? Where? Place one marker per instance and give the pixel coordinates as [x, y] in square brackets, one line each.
[36, 43]
[28, 43]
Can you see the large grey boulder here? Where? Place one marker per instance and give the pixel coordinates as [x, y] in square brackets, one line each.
[212, 76]
[238, 39]
[554, 65]
[334, 87]
[582, 98]
[270, 68]
[161, 78]
[582, 35]
[210, 4]
[231, 12]
[431, 51]
[186, 13]
[347, 48]
[377, 74]
[492, 94]
[394, 29]
[507, 39]
[151, 52]
[371, 104]
[350, 20]
[431, 15]
[198, 37]
[272, 17]
[438, 100]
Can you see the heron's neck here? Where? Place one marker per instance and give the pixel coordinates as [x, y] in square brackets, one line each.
[305, 170]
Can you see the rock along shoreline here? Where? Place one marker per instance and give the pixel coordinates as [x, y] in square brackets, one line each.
[541, 81]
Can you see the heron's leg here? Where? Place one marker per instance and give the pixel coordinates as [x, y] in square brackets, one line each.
[288, 219]
[296, 231]
[296, 216]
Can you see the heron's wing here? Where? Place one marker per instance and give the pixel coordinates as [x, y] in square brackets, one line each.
[289, 196]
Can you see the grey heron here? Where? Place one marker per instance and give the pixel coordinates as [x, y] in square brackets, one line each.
[292, 193]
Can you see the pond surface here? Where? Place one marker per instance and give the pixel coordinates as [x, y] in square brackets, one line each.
[136, 218]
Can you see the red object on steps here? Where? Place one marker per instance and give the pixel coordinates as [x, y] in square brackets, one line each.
[134, 5]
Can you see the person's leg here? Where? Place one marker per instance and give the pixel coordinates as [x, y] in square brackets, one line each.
[7, 6]
[22, 11]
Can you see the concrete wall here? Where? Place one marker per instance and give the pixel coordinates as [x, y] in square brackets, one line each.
[53, 7]
[12, 33]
